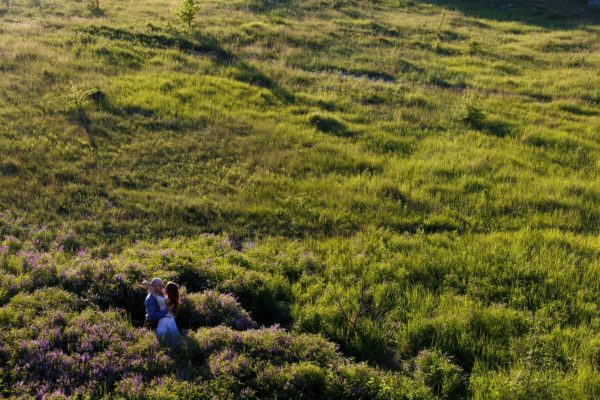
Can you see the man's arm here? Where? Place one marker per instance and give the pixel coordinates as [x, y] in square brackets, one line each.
[153, 312]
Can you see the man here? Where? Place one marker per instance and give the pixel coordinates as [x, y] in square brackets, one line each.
[153, 311]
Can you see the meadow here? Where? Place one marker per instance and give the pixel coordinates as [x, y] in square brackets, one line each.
[384, 199]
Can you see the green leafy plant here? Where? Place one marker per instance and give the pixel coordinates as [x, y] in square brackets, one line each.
[74, 103]
[470, 111]
[188, 11]
[76, 99]
[436, 370]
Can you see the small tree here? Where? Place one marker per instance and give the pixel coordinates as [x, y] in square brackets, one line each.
[187, 13]
[470, 111]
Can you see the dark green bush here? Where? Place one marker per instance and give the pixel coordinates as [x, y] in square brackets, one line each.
[437, 372]
[470, 112]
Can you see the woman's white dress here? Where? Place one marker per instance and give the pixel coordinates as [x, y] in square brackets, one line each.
[166, 325]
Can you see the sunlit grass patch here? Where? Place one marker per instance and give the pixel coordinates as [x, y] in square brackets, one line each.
[415, 181]
[191, 98]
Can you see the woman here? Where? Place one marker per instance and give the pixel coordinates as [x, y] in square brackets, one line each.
[166, 325]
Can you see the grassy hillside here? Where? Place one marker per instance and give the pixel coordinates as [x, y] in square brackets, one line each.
[410, 186]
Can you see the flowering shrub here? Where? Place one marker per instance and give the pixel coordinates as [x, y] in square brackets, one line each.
[267, 361]
[270, 363]
[55, 348]
[274, 344]
[34, 258]
[210, 263]
[161, 388]
[69, 330]
[211, 309]
[82, 353]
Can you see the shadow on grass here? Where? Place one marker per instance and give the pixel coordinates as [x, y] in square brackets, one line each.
[549, 14]
[97, 12]
[495, 128]
[261, 6]
[330, 124]
[205, 45]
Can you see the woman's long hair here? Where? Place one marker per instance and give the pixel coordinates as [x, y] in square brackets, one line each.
[172, 290]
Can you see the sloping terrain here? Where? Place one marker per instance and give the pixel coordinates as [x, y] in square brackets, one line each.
[409, 189]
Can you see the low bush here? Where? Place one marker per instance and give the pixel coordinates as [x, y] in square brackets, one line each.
[471, 112]
[64, 352]
[294, 381]
[275, 345]
[23, 308]
[272, 362]
[109, 282]
[437, 372]
[211, 309]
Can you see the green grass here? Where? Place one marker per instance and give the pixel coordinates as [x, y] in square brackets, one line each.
[416, 175]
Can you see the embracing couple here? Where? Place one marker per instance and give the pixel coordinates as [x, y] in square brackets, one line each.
[161, 306]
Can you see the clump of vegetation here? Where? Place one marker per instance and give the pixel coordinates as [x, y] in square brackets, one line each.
[470, 111]
[74, 103]
[446, 380]
[473, 46]
[212, 309]
[68, 351]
